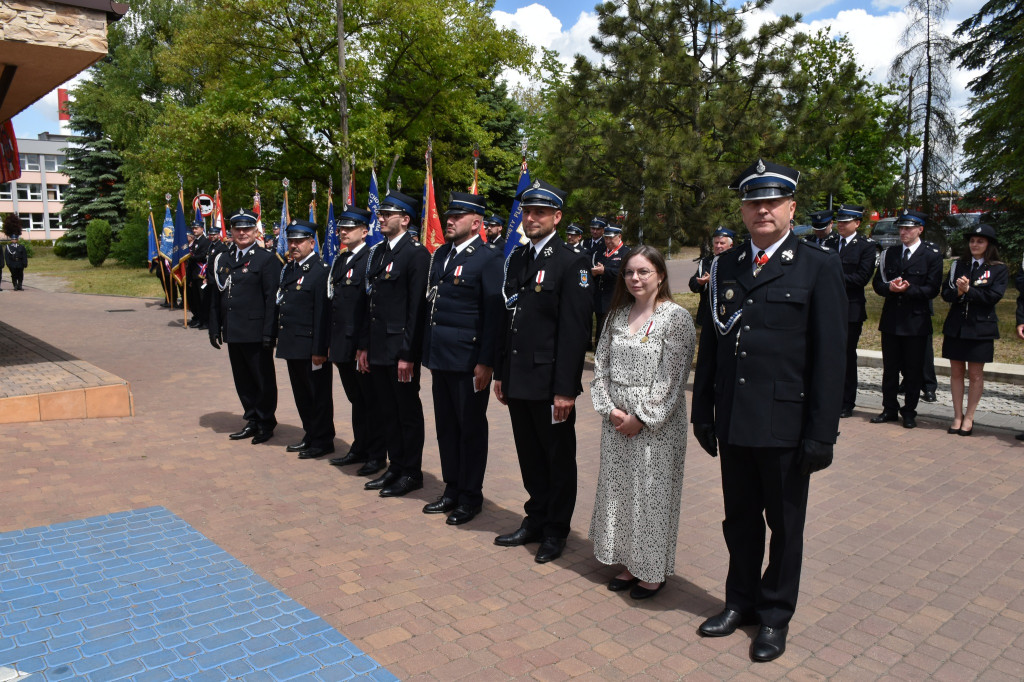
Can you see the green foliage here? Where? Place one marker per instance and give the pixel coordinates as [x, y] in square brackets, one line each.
[132, 245]
[98, 237]
[62, 249]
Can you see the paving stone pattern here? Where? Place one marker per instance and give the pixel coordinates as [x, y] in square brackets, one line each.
[914, 551]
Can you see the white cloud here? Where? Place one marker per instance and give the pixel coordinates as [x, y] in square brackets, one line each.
[541, 28]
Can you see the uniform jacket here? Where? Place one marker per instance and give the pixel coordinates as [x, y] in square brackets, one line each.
[909, 313]
[703, 267]
[858, 259]
[303, 319]
[546, 332]
[465, 309]
[397, 283]
[199, 250]
[830, 241]
[499, 243]
[245, 310]
[348, 303]
[591, 245]
[973, 315]
[604, 285]
[775, 377]
[15, 256]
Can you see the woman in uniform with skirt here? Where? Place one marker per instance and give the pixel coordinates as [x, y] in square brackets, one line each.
[976, 282]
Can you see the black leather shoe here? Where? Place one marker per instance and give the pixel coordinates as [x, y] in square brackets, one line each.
[519, 537]
[846, 412]
[550, 550]
[402, 486]
[441, 505]
[1019, 436]
[462, 514]
[769, 644]
[884, 417]
[349, 458]
[248, 432]
[297, 447]
[929, 397]
[622, 584]
[724, 623]
[370, 468]
[387, 479]
[909, 423]
[262, 437]
[313, 453]
[641, 592]
[193, 323]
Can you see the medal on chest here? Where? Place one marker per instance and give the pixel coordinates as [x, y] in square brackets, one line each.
[348, 276]
[298, 284]
[387, 270]
[458, 272]
[647, 332]
[540, 281]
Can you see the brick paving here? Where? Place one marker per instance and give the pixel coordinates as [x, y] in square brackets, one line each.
[914, 557]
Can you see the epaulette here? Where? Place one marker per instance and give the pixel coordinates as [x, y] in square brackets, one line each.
[490, 246]
[931, 245]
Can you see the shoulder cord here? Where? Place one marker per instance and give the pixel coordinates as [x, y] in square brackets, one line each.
[330, 277]
[510, 301]
[221, 286]
[369, 262]
[722, 327]
[431, 290]
[881, 268]
[280, 283]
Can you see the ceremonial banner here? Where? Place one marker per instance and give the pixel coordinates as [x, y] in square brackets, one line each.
[282, 236]
[431, 236]
[154, 252]
[218, 216]
[515, 235]
[373, 236]
[332, 245]
[180, 252]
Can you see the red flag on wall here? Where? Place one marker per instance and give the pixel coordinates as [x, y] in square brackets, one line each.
[62, 104]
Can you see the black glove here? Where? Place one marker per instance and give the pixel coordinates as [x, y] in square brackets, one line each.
[705, 434]
[814, 456]
[269, 342]
[216, 339]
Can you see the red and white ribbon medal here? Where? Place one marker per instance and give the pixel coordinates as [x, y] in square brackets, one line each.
[458, 271]
[540, 280]
[387, 270]
[348, 276]
[647, 332]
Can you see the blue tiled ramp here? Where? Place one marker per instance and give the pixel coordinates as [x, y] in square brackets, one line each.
[142, 595]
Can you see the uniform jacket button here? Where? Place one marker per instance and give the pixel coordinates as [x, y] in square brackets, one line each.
[787, 294]
[515, 352]
[746, 327]
[743, 354]
[749, 301]
[742, 381]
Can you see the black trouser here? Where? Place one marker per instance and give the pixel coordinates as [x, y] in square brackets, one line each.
[850, 383]
[17, 276]
[902, 355]
[195, 300]
[367, 425]
[314, 400]
[928, 382]
[252, 367]
[547, 461]
[460, 419]
[758, 485]
[405, 437]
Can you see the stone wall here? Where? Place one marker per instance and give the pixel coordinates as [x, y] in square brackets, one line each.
[43, 23]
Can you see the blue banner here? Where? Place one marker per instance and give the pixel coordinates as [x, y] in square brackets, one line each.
[373, 236]
[180, 254]
[332, 245]
[515, 235]
[282, 235]
[154, 252]
[167, 235]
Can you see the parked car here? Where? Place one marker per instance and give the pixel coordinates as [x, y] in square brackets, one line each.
[803, 231]
[885, 234]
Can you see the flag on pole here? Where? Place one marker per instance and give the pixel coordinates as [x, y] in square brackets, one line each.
[218, 216]
[166, 240]
[154, 251]
[312, 219]
[432, 236]
[282, 236]
[374, 236]
[199, 217]
[180, 253]
[515, 233]
[332, 244]
[257, 208]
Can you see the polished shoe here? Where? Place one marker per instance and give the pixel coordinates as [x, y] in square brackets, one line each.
[203, 325]
[193, 323]
[846, 412]
[371, 467]
[884, 417]
[724, 623]
[622, 584]
[550, 550]
[402, 486]
[909, 423]
[262, 437]
[769, 644]
[313, 453]
[462, 514]
[441, 505]
[387, 479]
[641, 592]
[297, 447]
[968, 431]
[1019, 436]
[349, 458]
[929, 397]
[953, 431]
[248, 432]
[519, 537]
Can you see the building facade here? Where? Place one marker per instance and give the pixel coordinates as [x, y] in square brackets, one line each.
[38, 196]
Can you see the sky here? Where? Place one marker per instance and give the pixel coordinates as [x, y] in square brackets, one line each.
[874, 28]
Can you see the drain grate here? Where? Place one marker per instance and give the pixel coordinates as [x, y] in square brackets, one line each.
[122, 310]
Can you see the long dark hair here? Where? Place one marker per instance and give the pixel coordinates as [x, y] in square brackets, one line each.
[991, 251]
[622, 296]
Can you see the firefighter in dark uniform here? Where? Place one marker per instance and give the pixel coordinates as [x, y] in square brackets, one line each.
[768, 391]
[16, 258]
[347, 294]
[303, 336]
[574, 237]
[857, 255]
[722, 240]
[495, 228]
[199, 249]
[605, 270]
[548, 302]
[823, 234]
[465, 312]
[208, 287]
[909, 276]
[596, 239]
[391, 342]
[244, 315]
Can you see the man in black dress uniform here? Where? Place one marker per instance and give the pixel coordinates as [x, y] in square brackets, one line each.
[495, 231]
[391, 341]
[721, 241]
[574, 237]
[607, 263]
[768, 390]
[909, 276]
[303, 336]
[195, 269]
[823, 234]
[548, 301]
[16, 258]
[244, 315]
[596, 239]
[465, 312]
[346, 291]
[857, 254]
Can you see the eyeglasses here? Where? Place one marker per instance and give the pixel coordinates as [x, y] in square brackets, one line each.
[643, 274]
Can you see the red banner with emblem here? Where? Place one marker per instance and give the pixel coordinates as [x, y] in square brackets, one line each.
[10, 162]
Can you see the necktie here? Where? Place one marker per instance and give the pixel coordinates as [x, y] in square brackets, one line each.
[906, 259]
[759, 261]
[842, 243]
[975, 271]
[536, 254]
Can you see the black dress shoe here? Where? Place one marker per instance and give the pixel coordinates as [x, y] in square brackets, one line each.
[621, 584]
[387, 479]
[846, 412]
[349, 458]
[550, 550]
[929, 397]
[402, 486]
[519, 537]
[462, 514]
[370, 468]
[313, 453]
[248, 432]
[262, 437]
[769, 644]
[441, 505]
[884, 417]
[1019, 436]
[909, 423]
[724, 623]
[203, 325]
[641, 592]
[968, 431]
[297, 447]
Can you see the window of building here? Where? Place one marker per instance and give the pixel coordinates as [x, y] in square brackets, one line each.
[55, 221]
[5, 192]
[35, 220]
[29, 162]
[30, 192]
[50, 163]
[55, 192]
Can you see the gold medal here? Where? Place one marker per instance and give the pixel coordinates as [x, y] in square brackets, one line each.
[456, 280]
[645, 339]
[348, 281]
[297, 287]
[721, 310]
[387, 275]
[538, 288]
